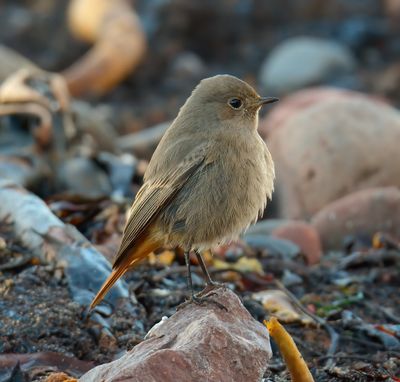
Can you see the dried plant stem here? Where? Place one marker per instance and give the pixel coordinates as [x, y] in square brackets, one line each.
[294, 360]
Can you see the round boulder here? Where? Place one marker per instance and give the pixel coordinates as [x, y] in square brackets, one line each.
[362, 213]
[333, 149]
[301, 100]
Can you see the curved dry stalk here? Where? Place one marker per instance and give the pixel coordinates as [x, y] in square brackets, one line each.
[298, 369]
[14, 90]
[17, 96]
[120, 44]
[43, 133]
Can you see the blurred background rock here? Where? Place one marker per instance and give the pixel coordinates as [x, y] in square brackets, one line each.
[325, 143]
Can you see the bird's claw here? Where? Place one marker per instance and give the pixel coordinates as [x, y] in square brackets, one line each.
[209, 288]
[201, 300]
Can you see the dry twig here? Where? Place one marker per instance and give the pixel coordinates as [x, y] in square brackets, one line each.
[294, 360]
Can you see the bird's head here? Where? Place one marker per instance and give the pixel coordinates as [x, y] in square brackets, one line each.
[227, 98]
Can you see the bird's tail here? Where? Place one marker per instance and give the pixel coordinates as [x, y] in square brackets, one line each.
[111, 280]
[125, 262]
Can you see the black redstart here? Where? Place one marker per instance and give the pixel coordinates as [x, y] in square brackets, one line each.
[208, 180]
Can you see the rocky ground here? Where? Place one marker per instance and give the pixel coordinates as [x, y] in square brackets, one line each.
[354, 294]
[325, 260]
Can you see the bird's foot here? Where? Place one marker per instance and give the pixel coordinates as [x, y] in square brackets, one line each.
[209, 289]
[202, 300]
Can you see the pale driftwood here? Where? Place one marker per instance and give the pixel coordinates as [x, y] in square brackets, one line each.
[39, 230]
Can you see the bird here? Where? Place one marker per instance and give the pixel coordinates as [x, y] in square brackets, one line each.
[209, 178]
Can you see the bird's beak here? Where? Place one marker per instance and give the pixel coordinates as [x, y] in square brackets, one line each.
[265, 100]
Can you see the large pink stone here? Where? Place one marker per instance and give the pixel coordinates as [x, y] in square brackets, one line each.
[332, 149]
[360, 213]
[198, 343]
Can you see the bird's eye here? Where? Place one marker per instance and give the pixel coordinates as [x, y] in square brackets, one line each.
[235, 103]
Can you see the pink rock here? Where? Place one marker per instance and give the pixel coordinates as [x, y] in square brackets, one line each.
[305, 236]
[360, 213]
[392, 9]
[198, 343]
[301, 100]
[332, 149]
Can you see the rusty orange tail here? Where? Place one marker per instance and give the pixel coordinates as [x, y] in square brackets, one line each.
[111, 280]
[126, 261]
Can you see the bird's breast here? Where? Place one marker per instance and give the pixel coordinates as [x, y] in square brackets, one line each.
[224, 197]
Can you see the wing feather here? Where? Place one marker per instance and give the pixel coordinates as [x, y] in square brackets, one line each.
[153, 196]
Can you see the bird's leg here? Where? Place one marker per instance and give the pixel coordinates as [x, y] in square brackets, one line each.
[196, 299]
[203, 267]
[210, 284]
[189, 274]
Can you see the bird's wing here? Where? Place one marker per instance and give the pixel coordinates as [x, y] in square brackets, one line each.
[154, 195]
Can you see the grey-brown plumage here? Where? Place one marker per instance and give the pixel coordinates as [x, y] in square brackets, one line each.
[208, 180]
